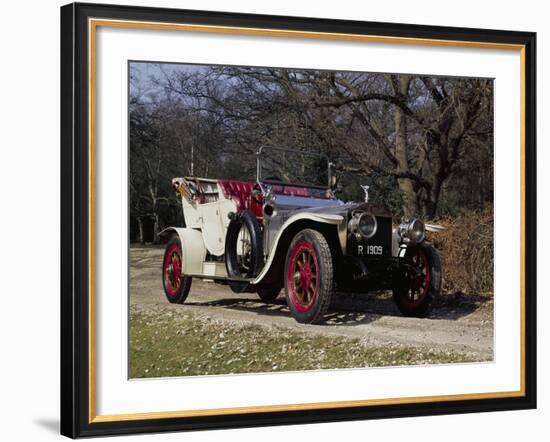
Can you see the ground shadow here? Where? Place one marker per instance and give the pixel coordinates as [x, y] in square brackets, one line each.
[279, 308]
[250, 304]
[447, 306]
[457, 305]
[354, 309]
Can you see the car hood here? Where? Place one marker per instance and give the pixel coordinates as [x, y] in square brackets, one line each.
[343, 209]
[334, 209]
[296, 204]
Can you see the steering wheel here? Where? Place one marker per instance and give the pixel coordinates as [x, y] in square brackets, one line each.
[274, 178]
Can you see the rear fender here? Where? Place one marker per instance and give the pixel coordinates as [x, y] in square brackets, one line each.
[192, 246]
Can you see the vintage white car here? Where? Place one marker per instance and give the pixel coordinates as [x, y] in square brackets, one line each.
[271, 234]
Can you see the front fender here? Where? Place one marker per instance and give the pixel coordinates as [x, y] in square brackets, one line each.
[399, 249]
[192, 246]
[328, 219]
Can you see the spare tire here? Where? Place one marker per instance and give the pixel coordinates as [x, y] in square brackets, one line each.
[244, 249]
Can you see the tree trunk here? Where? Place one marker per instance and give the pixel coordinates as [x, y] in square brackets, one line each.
[432, 199]
[140, 229]
[156, 230]
[406, 186]
[410, 208]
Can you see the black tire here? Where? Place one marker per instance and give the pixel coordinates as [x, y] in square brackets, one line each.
[415, 294]
[269, 293]
[256, 260]
[176, 285]
[308, 246]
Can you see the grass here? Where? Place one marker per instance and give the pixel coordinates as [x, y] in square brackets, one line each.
[181, 344]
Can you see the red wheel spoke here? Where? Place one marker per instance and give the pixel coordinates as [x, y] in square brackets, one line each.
[172, 271]
[419, 279]
[302, 276]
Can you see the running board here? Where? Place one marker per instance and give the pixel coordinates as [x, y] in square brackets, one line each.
[216, 271]
[220, 278]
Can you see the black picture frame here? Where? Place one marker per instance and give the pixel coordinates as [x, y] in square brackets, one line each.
[75, 220]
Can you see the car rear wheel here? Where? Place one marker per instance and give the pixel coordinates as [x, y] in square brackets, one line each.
[420, 282]
[176, 284]
[308, 277]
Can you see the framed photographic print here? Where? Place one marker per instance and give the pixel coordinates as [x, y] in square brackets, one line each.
[275, 220]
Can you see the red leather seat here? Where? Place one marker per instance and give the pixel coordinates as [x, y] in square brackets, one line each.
[291, 190]
[241, 193]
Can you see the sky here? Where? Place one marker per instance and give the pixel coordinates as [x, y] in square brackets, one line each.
[143, 72]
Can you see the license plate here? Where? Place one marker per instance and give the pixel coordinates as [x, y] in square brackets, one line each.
[369, 250]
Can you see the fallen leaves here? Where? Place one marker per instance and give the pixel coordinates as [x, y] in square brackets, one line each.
[164, 344]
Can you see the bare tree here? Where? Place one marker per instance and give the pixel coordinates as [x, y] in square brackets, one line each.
[413, 138]
[414, 128]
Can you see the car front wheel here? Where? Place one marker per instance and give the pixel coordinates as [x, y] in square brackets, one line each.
[308, 277]
[420, 282]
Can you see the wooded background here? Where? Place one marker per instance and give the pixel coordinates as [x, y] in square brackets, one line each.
[424, 144]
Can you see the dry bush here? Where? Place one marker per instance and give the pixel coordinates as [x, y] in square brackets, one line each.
[466, 248]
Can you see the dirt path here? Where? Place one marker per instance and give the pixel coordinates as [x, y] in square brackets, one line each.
[453, 326]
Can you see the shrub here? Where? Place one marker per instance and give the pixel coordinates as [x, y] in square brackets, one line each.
[466, 248]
